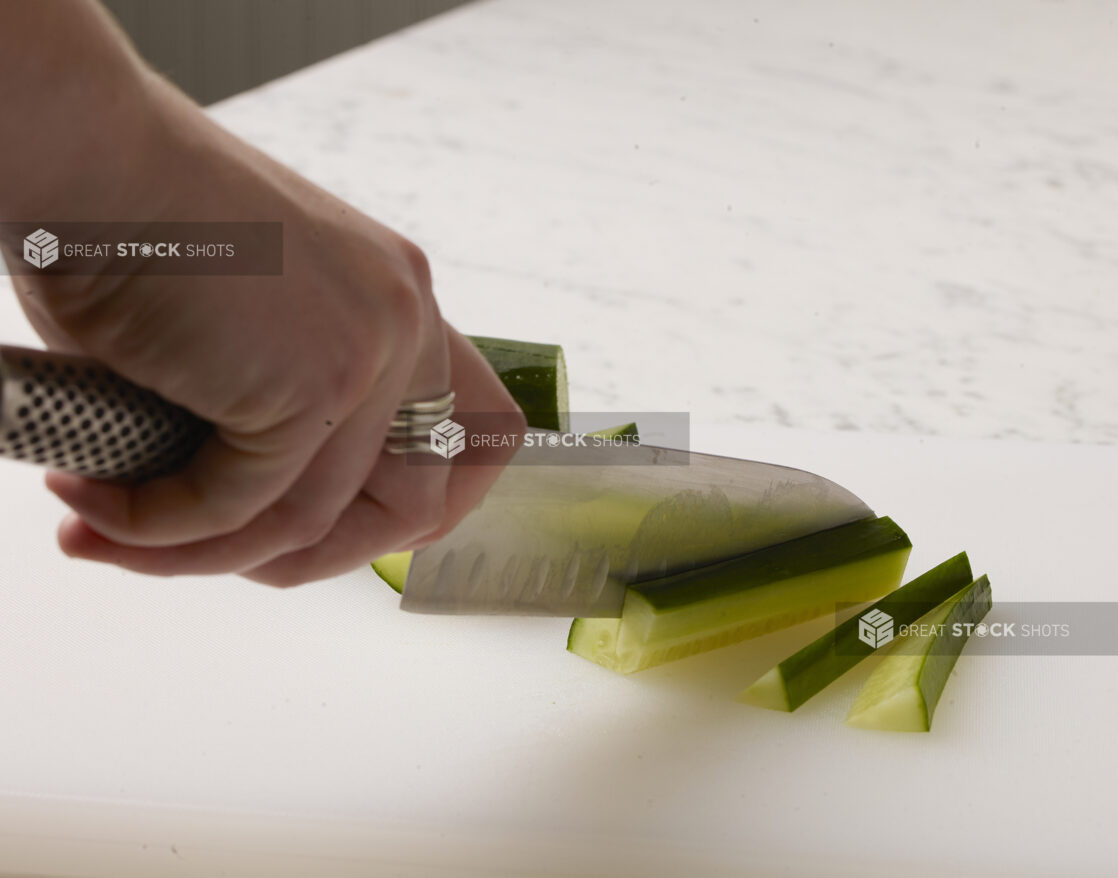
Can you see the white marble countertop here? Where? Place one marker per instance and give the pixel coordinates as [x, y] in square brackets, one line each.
[857, 216]
[869, 216]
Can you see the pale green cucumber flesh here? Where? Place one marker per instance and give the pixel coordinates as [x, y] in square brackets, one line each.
[903, 691]
[821, 662]
[745, 597]
[768, 691]
[393, 569]
[595, 639]
[629, 429]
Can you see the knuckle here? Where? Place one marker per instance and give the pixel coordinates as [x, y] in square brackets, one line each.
[306, 530]
[228, 520]
[405, 305]
[417, 262]
[221, 513]
[290, 569]
[115, 325]
[353, 362]
[344, 377]
[345, 371]
[284, 576]
[422, 519]
[434, 535]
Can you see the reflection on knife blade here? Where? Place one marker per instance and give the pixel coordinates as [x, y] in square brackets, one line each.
[556, 536]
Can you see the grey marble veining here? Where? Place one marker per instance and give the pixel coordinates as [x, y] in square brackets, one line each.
[853, 216]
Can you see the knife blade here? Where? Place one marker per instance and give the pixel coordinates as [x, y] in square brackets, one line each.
[565, 529]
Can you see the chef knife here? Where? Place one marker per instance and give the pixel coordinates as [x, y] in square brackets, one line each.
[562, 531]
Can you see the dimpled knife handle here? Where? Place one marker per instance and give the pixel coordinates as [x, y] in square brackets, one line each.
[71, 413]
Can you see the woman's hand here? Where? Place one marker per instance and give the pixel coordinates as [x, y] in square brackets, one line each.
[301, 373]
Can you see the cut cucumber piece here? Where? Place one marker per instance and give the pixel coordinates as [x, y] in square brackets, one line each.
[720, 604]
[629, 429]
[393, 569]
[902, 693]
[535, 375]
[823, 661]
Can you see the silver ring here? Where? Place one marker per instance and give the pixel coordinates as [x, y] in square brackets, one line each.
[427, 406]
[410, 429]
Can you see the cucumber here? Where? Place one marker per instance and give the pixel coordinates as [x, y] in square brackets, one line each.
[902, 693]
[393, 569]
[677, 616]
[536, 377]
[629, 429]
[823, 661]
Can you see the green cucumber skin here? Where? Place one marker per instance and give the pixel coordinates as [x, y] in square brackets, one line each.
[944, 653]
[644, 637]
[534, 374]
[823, 661]
[846, 543]
[902, 693]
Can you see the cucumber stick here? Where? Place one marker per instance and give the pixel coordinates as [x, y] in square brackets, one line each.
[536, 377]
[903, 691]
[720, 604]
[820, 663]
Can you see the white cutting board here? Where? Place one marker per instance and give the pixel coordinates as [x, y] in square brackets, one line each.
[185, 727]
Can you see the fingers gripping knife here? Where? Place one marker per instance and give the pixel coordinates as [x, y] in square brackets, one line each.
[550, 537]
[74, 414]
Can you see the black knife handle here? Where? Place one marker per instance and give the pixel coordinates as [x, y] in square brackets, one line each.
[72, 413]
